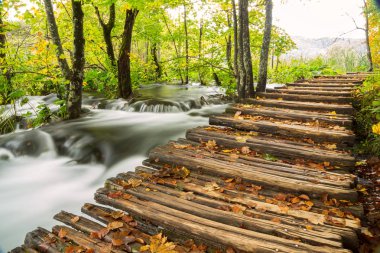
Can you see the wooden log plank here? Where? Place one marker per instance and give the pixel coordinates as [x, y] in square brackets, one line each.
[322, 85]
[84, 241]
[23, 249]
[242, 166]
[42, 240]
[311, 92]
[321, 135]
[254, 224]
[229, 236]
[142, 230]
[306, 98]
[349, 236]
[311, 88]
[278, 148]
[303, 106]
[337, 81]
[287, 114]
[342, 180]
[254, 175]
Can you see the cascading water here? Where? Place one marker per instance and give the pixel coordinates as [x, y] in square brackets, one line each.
[59, 166]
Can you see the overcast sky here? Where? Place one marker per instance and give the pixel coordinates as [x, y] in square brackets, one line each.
[319, 18]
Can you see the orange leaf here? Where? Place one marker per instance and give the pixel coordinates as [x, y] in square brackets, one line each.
[115, 225]
[75, 219]
[62, 233]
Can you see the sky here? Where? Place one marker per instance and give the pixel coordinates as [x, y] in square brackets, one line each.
[319, 18]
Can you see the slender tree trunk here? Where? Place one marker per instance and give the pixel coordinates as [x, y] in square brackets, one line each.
[154, 53]
[245, 61]
[175, 47]
[124, 62]
[369, 52]
[236, 42]
[263, 71]
[3, 60]
[229, 45]
[74, 76]
[200, 52]
[74, 99]
[53, 28]
[107, 30]
[186, 45]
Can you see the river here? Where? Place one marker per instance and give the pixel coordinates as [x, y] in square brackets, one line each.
[59, 167]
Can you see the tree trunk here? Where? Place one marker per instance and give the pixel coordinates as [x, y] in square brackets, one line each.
[124, 62]
[369, 53]
[236, 46]
[186, 45]
[200, 52]
[74, 76]
[175, 47]
[3, 61]
[107, 30]
[74, 99]
[229, 45]
[53, 28]
[154, 53]
[263, 71]
[245, 88]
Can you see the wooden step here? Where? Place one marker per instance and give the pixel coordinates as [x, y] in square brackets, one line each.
[303, 106]
[305, 98]
[278, 179]
[279, 148]
[321, 85]
[288, 129]
[171, 216]
[309, 88]
[332, 80]
[311, 92]
[287, 114]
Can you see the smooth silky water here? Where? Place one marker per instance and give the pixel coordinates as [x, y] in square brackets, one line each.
[59, 167]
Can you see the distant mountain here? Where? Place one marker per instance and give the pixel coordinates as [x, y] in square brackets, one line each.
[309, 48]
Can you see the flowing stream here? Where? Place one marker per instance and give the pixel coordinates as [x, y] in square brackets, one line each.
[59, 167]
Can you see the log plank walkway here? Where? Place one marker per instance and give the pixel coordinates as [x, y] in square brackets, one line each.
[270, 175]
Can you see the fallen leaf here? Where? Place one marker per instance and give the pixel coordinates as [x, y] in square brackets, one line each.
[100, 234]
[117, 214]
[211, 186]
[237, 114]
[308, 227]
[115, 225]
[295, 200]
[117, 242]
[241, 139]
[75, 219]
[304, 197]
[238, 209]
[127, 218]
[245, 150]
[230, 250]
[280, 197]
[276, 219]
[330, 146]
[62, 233]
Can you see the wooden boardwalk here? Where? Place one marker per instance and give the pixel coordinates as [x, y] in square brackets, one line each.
[272, 175]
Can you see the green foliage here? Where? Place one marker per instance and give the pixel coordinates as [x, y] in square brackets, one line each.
[368, 116]
[300, 69]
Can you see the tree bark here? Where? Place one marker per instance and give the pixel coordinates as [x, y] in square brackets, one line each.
[369, 53]
[200, 52]
[53, 28]
[3, 60]
[229, 44]
[74, 75]
[124, 62]
[107, 30]
[263, 71]
[175, 47]
[154, 53]
[186, 45]
[74, 100]
[245, 88]
[236, 41]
